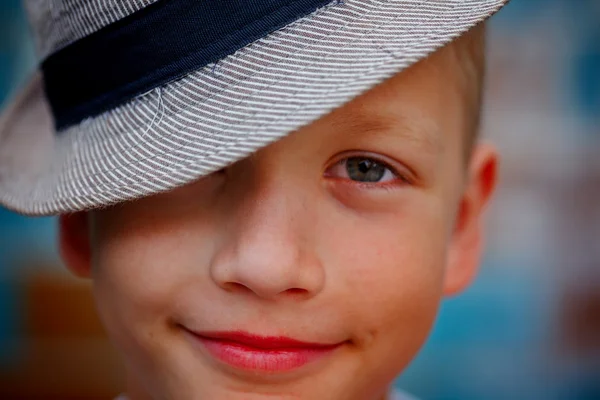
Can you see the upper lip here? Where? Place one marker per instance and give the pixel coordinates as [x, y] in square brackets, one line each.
[262, 342]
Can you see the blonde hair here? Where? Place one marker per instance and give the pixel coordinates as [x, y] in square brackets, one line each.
[469, 53]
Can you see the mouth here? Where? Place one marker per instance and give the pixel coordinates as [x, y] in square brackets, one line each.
[251, 352]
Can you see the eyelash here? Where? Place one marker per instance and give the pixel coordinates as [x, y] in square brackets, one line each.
[400, 179]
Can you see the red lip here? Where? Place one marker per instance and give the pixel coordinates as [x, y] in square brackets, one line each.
[261, 353]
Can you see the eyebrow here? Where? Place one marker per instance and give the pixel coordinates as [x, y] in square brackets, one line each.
[421, 131]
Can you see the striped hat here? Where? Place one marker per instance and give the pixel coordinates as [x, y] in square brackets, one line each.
[135, 97]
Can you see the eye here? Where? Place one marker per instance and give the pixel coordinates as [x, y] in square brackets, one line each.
[363, 170]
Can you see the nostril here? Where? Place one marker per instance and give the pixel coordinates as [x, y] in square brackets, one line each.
[296, 292]
[235, 287]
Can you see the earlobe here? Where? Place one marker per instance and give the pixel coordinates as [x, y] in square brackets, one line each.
[467, 242]
[74, 243]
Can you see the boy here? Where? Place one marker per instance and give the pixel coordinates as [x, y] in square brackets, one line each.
[270, 199]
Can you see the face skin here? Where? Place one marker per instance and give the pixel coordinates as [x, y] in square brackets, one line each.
[292, 242]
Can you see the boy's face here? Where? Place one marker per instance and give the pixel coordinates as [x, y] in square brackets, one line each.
[347, 233]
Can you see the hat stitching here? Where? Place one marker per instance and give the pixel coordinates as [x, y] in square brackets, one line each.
[178, 170]
[130, 128]
[299, 22]
[161, 80]
[187, 107]
[241, 139]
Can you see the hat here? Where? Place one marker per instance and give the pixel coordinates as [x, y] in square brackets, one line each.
[136, 97]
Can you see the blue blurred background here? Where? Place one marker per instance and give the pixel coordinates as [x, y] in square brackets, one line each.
[529, 327]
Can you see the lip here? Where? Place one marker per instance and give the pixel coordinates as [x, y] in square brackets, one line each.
[251, 352]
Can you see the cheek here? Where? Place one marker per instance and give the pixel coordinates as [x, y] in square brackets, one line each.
[130, 273]
[137, 272]
[400, 282]
[392, 271]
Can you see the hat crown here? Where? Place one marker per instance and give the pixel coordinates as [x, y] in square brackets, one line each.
[58, 23]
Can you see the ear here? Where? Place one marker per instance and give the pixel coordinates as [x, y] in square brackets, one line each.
[74, 243]
[468, 237]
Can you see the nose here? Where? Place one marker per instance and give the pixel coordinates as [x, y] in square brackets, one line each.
[268, 248]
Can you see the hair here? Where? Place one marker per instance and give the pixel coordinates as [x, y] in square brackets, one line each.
[469, 53]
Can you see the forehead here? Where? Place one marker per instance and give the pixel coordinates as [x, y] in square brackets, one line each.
[421, 105]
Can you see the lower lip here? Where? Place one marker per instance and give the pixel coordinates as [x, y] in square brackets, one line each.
[250, 358]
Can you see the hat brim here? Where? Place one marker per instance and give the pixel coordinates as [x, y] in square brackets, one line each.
[221, 113]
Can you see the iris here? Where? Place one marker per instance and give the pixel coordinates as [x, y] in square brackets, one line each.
[364, 169]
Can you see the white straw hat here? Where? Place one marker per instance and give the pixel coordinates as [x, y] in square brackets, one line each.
[135, 97]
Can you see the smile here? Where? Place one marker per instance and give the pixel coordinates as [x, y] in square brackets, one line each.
[271, 354]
